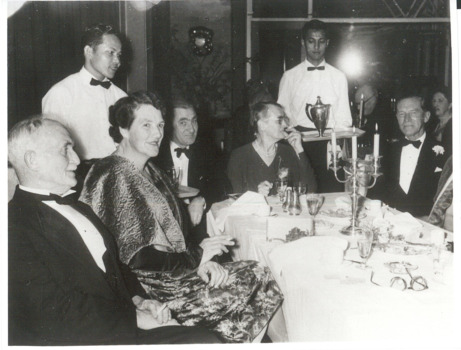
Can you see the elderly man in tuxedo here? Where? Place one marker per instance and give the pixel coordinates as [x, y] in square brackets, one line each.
[198, 161]
[66, 284]
[413, 166]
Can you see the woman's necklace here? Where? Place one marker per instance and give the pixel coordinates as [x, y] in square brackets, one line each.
[263, 152]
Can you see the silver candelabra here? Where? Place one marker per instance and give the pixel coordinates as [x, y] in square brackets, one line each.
[357, 172]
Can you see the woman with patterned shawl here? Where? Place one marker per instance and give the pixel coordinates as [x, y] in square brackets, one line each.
[136, 201]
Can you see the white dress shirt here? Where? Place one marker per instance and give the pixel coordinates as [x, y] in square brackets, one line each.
[408, 161]
[299, 86]
[180, 163]
[90, 235]
[84, 110]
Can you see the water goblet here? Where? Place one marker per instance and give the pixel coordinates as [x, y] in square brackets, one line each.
[174, 175]
[280, 187]
[314, 203]
[364, 244]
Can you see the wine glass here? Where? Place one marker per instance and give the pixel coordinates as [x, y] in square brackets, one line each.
[174, 175]
[314, 203]
[364, 244]
[280, 187]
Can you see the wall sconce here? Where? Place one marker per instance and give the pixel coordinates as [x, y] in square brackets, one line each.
[200, 39]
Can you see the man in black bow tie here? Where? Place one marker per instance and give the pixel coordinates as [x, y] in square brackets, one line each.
[82, 100]
[196, 159]
[302, 84]
[66, 285]
[414, 163]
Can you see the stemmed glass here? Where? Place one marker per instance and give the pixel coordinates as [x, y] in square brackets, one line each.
[175, 176]
[314, 203]
[364, 244]
[280, 187]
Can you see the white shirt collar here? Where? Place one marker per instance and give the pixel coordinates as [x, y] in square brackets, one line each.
[43, 192]
[88, 76]
[421, 138]
[308, 64]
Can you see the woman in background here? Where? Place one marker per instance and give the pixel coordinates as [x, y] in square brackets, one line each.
[441, 105]
[256, 165]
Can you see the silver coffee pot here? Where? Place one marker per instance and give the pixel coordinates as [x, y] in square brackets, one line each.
[318, 114]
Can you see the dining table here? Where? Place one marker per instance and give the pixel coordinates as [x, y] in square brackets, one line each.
[330, 292]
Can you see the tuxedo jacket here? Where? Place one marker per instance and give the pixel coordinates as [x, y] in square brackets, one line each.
[57, 293]
[419, 199]
[205, 171]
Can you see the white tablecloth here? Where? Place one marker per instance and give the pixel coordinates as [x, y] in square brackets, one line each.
[325, 302]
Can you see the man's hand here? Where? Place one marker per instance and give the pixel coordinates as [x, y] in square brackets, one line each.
[264, 188]
[196, 208]
[152, 313]
[294, 139]
[213, 274]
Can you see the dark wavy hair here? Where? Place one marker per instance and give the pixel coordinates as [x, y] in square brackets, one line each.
[316, 25]
[93, 35]
[121, 114]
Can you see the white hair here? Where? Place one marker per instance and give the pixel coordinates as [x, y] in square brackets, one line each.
[23, 137]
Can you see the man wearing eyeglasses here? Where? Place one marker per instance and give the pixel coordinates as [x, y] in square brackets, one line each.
[414, 164]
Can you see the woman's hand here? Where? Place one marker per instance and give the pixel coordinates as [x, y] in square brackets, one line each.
[213, 274]
[264, 188]
[196, 208]
[294, 139]
[215, 246]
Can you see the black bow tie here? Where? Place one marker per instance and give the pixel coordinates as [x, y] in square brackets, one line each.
[68, 200]
[315, 68]
[407, 142]
[104, 84]
[180, 151]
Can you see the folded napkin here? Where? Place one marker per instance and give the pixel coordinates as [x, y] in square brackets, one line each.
[404, 224]
[250, 203]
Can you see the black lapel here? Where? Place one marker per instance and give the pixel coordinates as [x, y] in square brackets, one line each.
[397, 155]
[62, 234]
[164, 159]
[423, 170]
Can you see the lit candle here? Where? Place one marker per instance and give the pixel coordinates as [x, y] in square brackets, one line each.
[361, 111]
[354, 144]
[333, 143]
[376, 142]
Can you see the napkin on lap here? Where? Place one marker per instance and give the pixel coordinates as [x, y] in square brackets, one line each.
[250, 203]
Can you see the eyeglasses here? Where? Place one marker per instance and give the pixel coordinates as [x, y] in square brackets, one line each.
[417, 283]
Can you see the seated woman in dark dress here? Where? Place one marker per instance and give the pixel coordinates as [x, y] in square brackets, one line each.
[441, 105]
[256, 166]
[136, 201]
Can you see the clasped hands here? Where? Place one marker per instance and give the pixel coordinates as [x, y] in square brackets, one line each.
[152, 313]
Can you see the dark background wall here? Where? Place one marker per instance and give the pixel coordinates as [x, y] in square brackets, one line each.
[44, 47]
